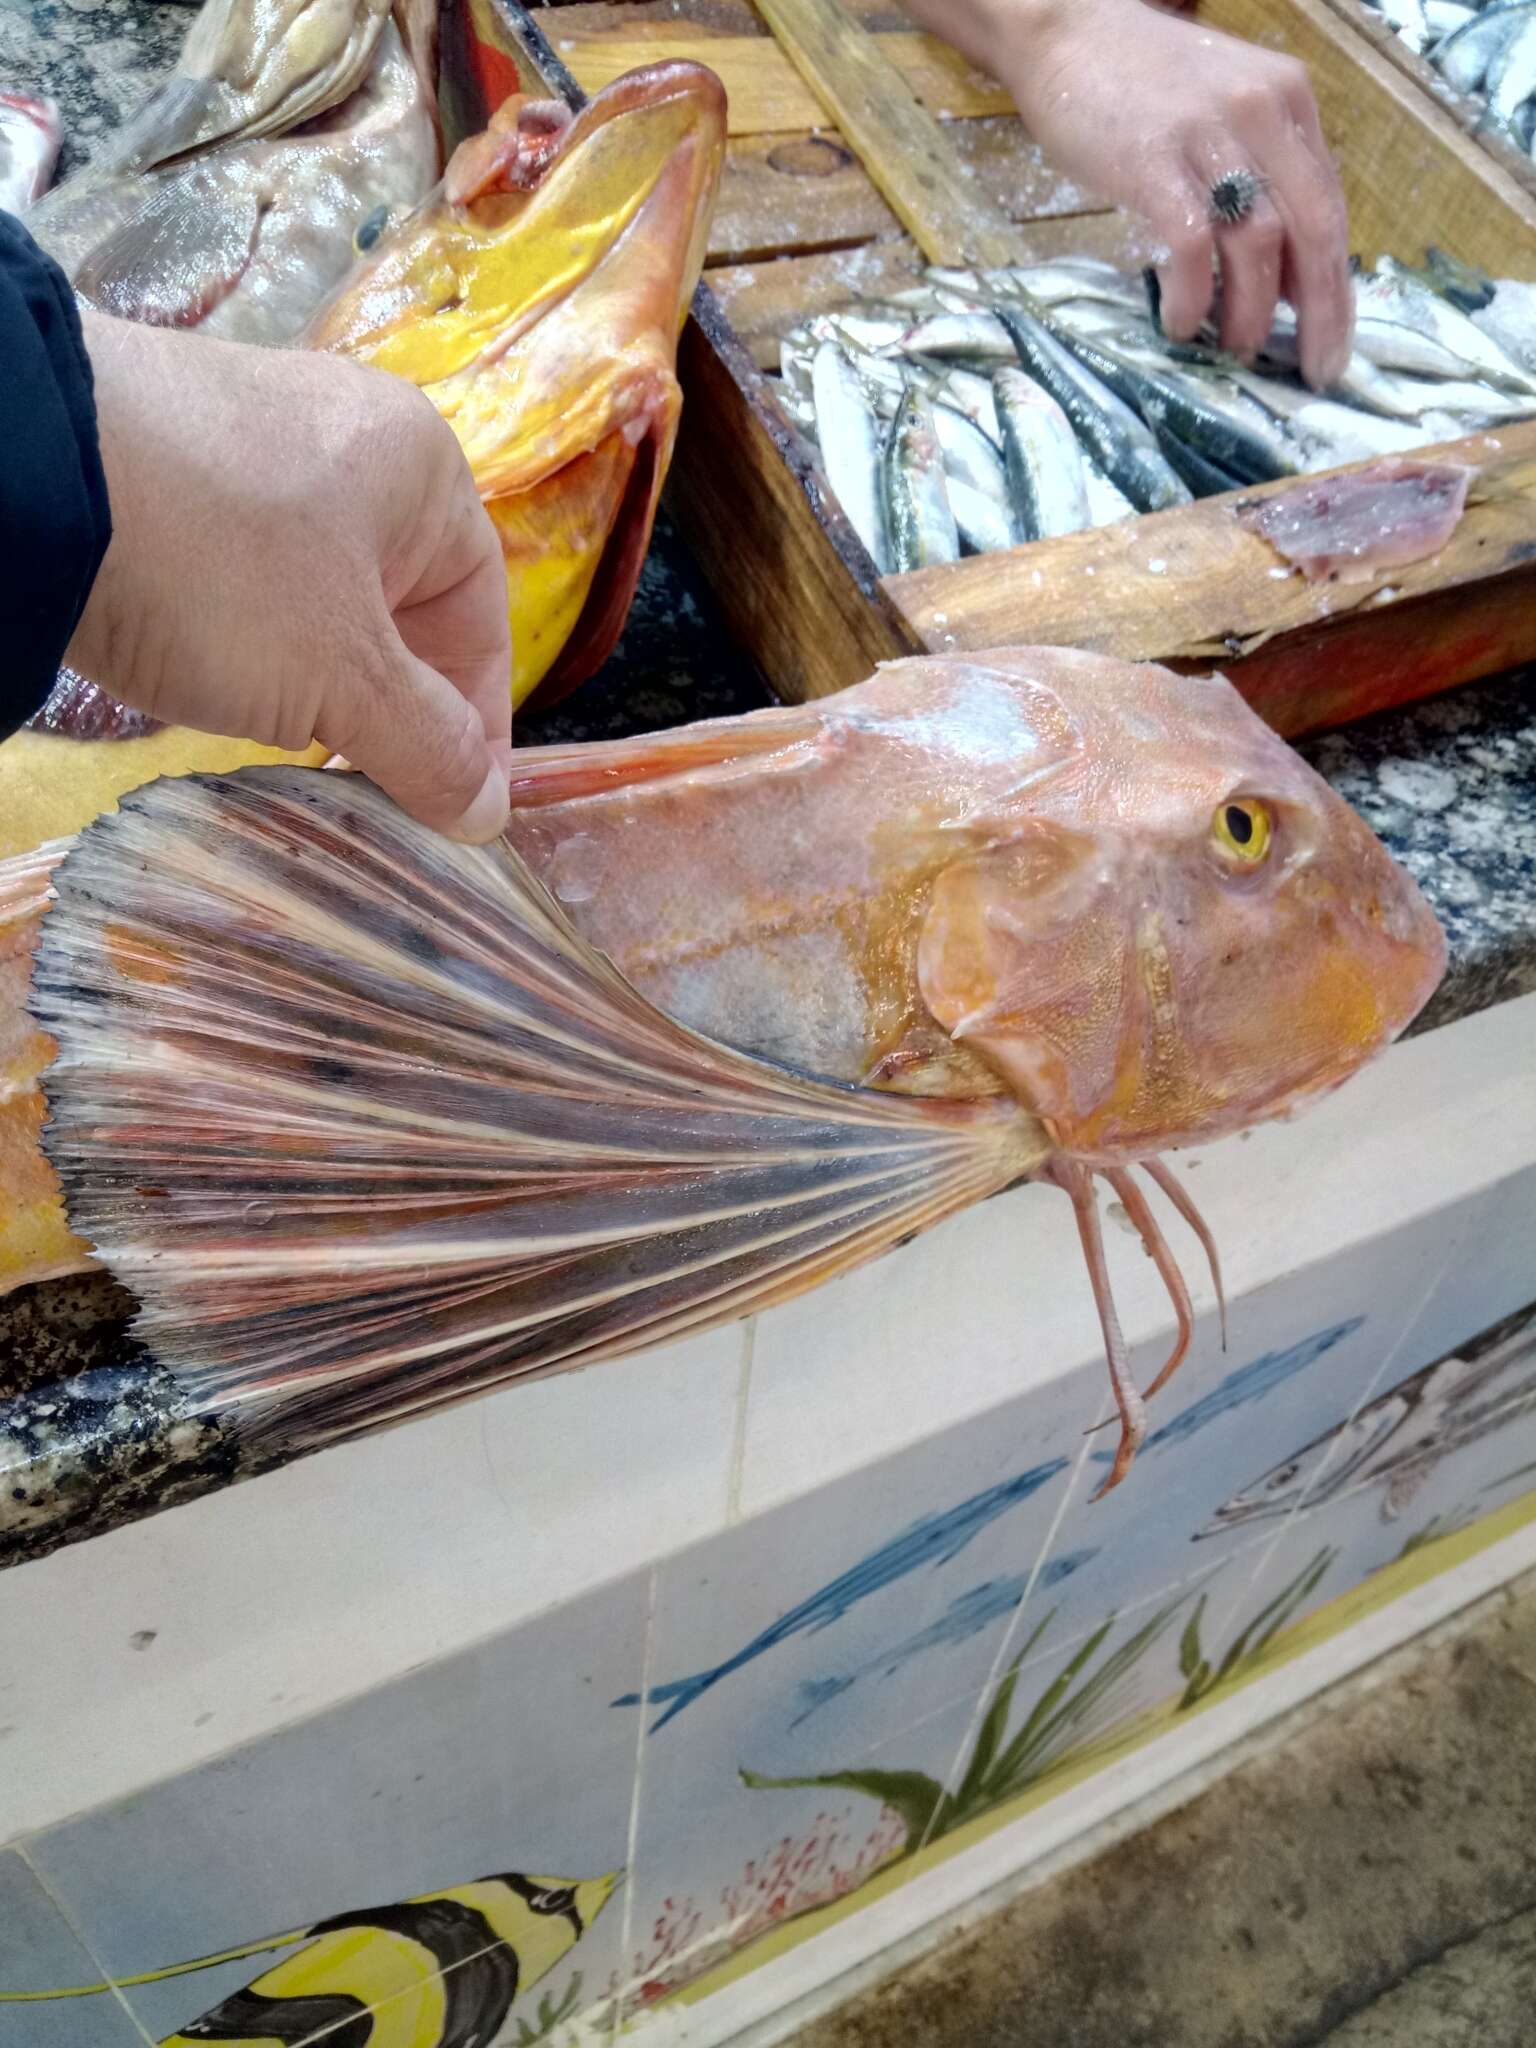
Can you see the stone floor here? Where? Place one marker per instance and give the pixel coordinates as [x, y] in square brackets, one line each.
[1368, 1881]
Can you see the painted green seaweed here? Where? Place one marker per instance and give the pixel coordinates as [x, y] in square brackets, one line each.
[1075, 1717]
[551, 2013]
[1201, 1676]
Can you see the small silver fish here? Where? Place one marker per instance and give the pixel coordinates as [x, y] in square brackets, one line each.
[918, 516]
[1396, 1441]
[1046, 468]
[848, 435]
[30, 134]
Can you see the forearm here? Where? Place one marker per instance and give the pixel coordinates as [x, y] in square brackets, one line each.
[979, 28]
[54, 517]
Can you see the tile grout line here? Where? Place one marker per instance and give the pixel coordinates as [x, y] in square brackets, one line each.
[632, 1838]
[736, 1470]
[984, 1695]
[79, 1933]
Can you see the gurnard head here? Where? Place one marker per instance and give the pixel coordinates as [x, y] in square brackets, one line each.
[1183, 932]
[537, 298]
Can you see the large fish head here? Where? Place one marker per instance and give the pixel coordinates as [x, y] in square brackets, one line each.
[537, 298]
[1183, 932]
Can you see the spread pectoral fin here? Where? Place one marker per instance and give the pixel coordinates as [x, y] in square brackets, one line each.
[365, 1125]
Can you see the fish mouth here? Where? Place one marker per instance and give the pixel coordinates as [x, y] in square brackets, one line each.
[537, 299]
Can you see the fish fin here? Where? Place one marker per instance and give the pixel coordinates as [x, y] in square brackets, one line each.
[176, 117]
[556, 775]
[145, 271]
[366, 1126]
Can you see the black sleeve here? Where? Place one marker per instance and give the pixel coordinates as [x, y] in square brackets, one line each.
[54, 521]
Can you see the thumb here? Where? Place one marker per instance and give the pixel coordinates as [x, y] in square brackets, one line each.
[410, 731]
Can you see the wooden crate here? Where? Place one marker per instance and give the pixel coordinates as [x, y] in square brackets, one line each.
[1465, 109]
[801, 227]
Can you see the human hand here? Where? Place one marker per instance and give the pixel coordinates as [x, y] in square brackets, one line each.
[298, 554]
[1149, 111]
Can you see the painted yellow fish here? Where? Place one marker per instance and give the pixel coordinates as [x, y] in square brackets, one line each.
[537, 298]
[438, 1971]
[368, 1121]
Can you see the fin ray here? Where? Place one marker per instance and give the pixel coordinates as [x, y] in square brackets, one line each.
[366, 1126]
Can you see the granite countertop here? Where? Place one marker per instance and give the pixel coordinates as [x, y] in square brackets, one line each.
[93, 1433]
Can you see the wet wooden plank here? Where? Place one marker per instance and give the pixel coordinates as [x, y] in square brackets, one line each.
[767, 95]
[910, 160]
[1194, 586]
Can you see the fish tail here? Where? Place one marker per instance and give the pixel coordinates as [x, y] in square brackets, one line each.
[366, 1126]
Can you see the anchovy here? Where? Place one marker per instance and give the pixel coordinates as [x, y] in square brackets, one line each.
[849, 438]
[1046, 469]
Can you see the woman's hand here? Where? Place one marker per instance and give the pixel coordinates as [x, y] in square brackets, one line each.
[299, 554]
[1149, 111]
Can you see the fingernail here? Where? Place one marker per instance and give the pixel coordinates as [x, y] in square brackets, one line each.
[487, 815]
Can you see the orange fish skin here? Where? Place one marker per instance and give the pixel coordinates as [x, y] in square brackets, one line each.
[537, 297]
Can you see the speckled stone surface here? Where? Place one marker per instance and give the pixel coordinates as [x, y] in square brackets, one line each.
[93, 1434]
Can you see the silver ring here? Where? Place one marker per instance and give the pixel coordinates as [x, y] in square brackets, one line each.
[1233, 196]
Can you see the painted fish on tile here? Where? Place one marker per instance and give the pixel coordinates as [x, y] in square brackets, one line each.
[730, 1010]
[1395, 1442]
[934, 1540]
[969, 1614]
[448, 1965]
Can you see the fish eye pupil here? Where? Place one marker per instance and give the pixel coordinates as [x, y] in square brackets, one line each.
[1239, 824]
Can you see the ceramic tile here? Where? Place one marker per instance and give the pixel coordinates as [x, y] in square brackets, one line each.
[505, 1758]
[722, 1862]
[995, 1301]
[207, 1627]
[39, 1951]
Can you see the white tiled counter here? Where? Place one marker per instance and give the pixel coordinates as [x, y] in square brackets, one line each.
[854, 1537]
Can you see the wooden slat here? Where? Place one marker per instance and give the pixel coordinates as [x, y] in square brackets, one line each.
[1194, 586]
[789, 573]
[1464, 110]
[797, 194]
[764, 300]
[767, 95]
[910, 160]
[1409, 172]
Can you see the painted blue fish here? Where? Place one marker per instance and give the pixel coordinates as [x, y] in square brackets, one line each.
[934, 1540]
[967, 1615]
[1248, 1383]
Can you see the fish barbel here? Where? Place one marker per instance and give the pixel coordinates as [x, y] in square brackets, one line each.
[537, 298]
[245, 241]
[730, 1010]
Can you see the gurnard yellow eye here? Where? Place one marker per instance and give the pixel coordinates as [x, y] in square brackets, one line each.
[1241, 827]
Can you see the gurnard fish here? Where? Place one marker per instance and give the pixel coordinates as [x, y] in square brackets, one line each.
[246, 241]
[537, 298]
[30, 135]
[728, 1011]
[1396, 1441]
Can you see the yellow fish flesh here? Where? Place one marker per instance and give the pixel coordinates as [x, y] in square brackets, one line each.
[537, 298]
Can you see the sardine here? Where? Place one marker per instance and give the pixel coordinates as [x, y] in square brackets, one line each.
[537, 298]
[918, 517]
[1465, 56]
[1511, 78]
[30, 135]
[1402, 325]
[246, 241]
[249, 68]
[1446, 16]
[1061, 915]
[1509, 320]
[1119, 441]
[848, 435]
[1046, 467]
